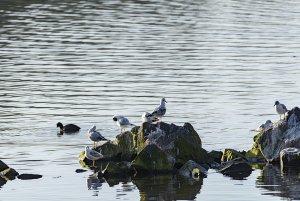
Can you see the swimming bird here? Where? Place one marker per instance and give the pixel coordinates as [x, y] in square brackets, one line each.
[280, 108]
[122, 122]
[147, 117]
[92, 154]
[95, 136]
[160, 111]
[263, 127]
[69, 128]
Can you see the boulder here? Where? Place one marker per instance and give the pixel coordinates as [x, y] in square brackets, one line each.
[117, 169]
[230, 154]
[126, 144]
[284, 133]
[237, 168]
[152, 160]
[290, 157]
[193, 170]
[6, 172]
[182, 143]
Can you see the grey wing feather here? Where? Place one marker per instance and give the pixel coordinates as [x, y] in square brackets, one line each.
[124, 121]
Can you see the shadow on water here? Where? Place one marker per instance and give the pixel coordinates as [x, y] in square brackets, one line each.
[285, 183]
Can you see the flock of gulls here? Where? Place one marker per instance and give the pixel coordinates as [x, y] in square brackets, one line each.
[154, 117]
[123, 123]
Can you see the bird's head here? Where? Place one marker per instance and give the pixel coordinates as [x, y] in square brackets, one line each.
[276, 103]
[115, 118]
[59, 125]
[163, 100]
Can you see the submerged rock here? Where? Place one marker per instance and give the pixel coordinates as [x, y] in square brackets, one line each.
[237, 168]
[290, 157]
[193, 170]
[29, 176]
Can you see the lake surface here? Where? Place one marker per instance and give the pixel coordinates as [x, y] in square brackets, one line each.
[219, 64]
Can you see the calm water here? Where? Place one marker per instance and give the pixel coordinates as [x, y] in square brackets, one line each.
[220, 64]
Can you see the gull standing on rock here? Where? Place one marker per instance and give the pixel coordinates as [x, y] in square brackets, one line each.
[160, 111]
[95, 136]
[122, 122]
[280, 108]
[147, 117]
[92, 154]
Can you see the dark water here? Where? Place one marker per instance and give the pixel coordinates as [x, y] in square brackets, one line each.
[220, 65]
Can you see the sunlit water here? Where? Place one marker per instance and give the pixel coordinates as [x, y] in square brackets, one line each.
[219, 64]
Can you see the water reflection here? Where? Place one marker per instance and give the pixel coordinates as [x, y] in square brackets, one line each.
[285, 183]
[168, 187]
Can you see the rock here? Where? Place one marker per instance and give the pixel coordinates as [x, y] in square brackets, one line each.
[230, 154]
[237, 168]
[126, 144]
[29, 176]
[110, 151]
[152, 160]
[283, 134]
[215, 156]
[117, 169]
[193, 170]
[6, 172]
[80, 170]
[290, 157]
[182, 143]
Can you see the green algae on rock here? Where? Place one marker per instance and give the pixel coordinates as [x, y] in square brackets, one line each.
[152, 160]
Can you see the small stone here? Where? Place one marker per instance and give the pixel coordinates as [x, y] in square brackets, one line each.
[80, 170]
[29, 176]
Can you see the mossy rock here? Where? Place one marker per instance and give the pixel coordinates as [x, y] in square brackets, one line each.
[152, 160]
[142, 134]
[117, 169]
[110, 151]
[230, 154]
[125, 142]
[192, 169]
[215, 156]
[185, 150]
[6, 172]
[256, 150]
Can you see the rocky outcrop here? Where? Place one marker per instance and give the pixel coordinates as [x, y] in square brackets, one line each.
[283, 134]
[153, 148]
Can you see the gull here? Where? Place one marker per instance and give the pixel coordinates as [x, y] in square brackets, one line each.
[69, 128]
[160, 111]
[94, 135]
[92, 154]
[264, 127]
[122, 122]
[147, 117]
[280, 108]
